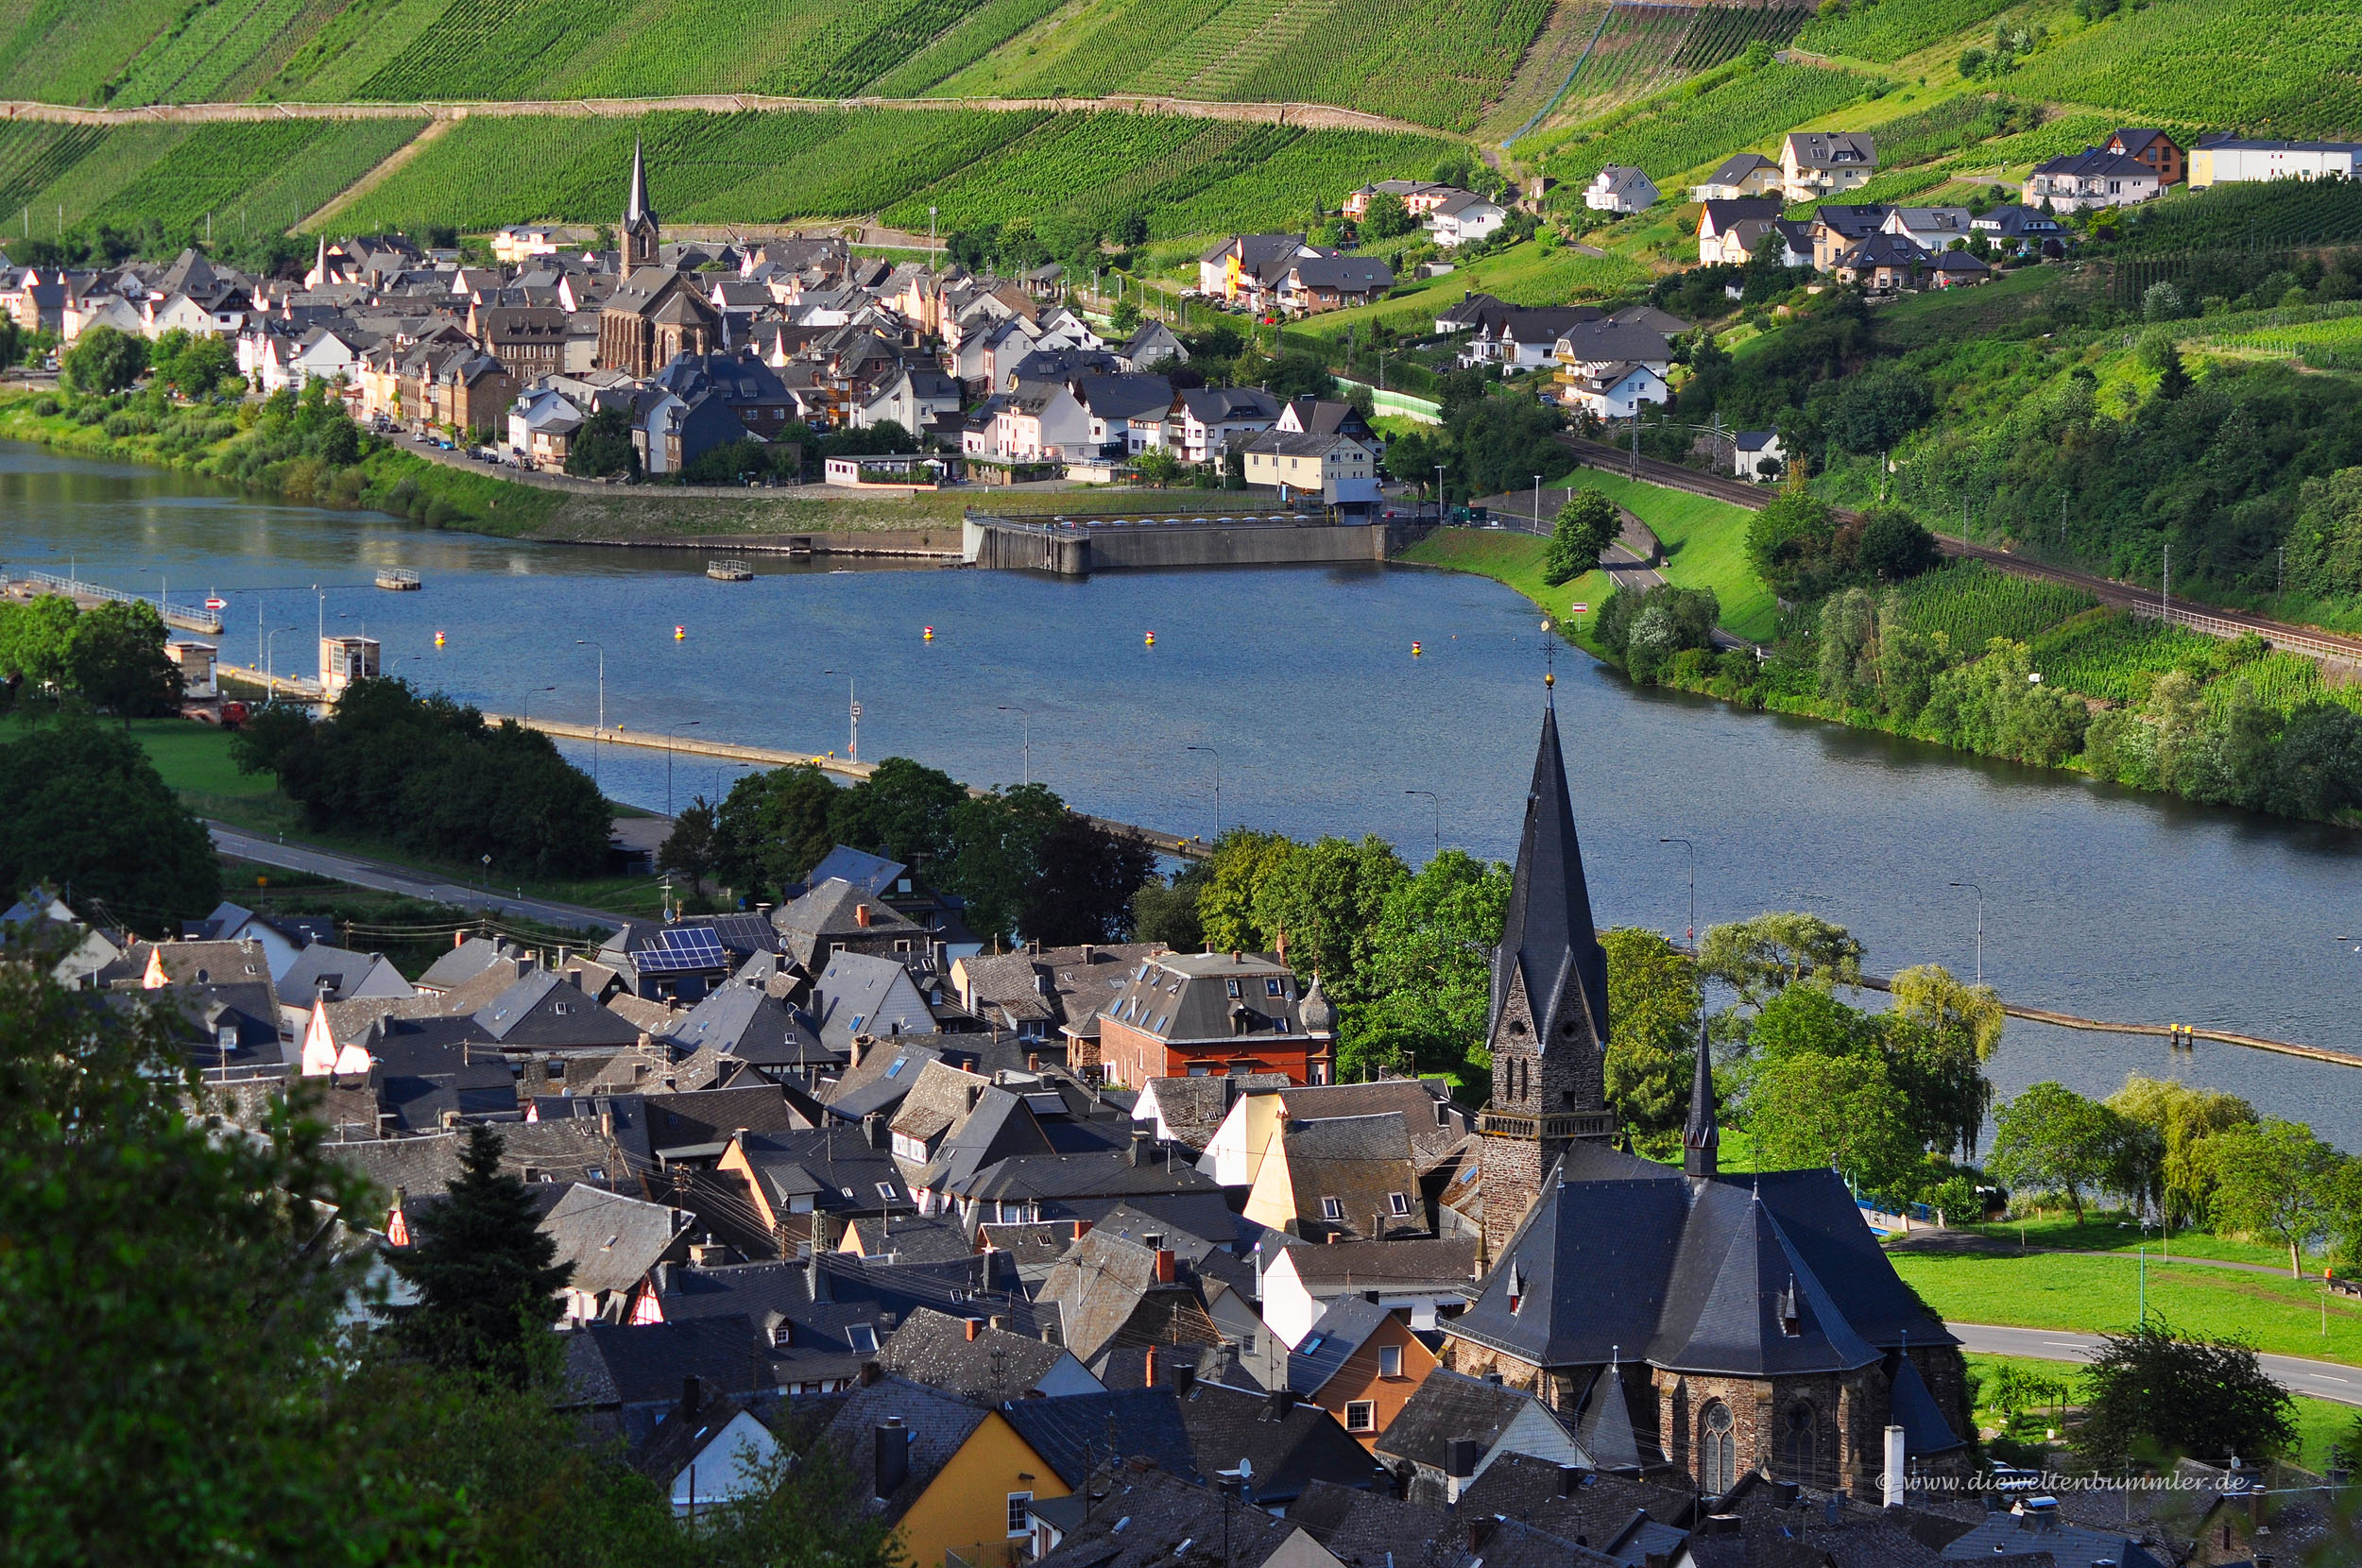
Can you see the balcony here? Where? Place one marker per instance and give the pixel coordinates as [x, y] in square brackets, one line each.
[1571, 1124]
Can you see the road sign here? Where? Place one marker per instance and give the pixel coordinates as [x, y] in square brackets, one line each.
[1582, 608]
[216, 603]
[857, 711]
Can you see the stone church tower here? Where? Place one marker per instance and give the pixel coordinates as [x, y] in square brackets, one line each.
[1548, 1028]
[639, 233]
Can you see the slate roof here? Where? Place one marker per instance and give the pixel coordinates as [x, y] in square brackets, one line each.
[1365, 1529]
[821, 1165]
[997, 1364]
[1344, 1328]
[1548, 937]
[1362, 1164]
[943, 1096]
[1148, 1518]
[1738, 166]
[830, 909]
[1884, 249]
[1724, 211]
[1347, 274]
[876, 1083]
[860, 994]
[615, 1364]
[1448, 1406]
[1831, 149]
[1578, 1505]
[545, 1010]
[1290, 1447]
[1001, 1127]
[609, 1241]
[1061, 984]
[939, 1424]
[1052, 1177]
[1185, 997]
[911, 1238]
[349, 975]
[1192, 1109]
[420, 1167]
[1097, 1287]
[1077, 1432]
[1377, 1265]
[684, 1434]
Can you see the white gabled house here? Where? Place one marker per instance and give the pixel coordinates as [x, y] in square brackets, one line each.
[1619, 188]
[1466, 217]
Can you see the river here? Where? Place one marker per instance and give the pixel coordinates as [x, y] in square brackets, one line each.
[2098, 903]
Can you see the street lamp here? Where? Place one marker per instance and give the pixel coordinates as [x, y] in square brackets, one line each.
[598, 735]
[1537, 504]
[528, 707]
[852, 708]
[1980, 927]
[669, 732]
[1693, 884]
[1025, 730]
[1436, 801]
[1439, 492]
[269, 638]
[321, 594]
[164, 591]
[1217, 757]
[586, 642]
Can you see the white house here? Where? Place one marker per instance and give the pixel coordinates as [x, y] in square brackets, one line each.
[1744, 173]
[1726, 228]
[2091, 179]
[519, 240]
[1619, 188]
[1933, 229]
[542, 425]
[707, 1450]
[1416, 1278]
[1041, 421]
[2235, 161]
[1818, 164]
[1205, 420]
[1616, 391]
[1753, 448]
[1464, 217]
[912, 397]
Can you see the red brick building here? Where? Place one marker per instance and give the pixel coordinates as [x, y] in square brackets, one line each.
[1200, 1015]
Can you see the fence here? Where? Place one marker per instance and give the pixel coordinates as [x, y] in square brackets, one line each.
[190, 621]
[2216, 625]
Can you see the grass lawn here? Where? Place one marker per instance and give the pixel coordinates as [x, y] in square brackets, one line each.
[2106, 1233]
[2100, 1295]
[1523, 274]
[1515, 559]
[1706, 547]
[2320, 1422]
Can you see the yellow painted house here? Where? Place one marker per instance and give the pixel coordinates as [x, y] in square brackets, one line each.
[951, 1477]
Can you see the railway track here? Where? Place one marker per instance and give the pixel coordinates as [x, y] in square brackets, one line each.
[2211, 619]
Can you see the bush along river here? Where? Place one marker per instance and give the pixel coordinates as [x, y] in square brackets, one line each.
[1313, 715]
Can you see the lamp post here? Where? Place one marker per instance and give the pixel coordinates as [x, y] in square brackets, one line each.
[1537, 504]
[1693, 884]
[1980, 927]
[528, 704]
[852, 709]
[1025, 730]
[321, 594]
[164, 591]
[270, 637]
[1439, 492]
[671, 731]
[1436, 801]
[598, 735]
[1217, 757]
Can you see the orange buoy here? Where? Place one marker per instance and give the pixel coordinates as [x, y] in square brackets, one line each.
[680, 633]
[1415, 650]
[438, 639]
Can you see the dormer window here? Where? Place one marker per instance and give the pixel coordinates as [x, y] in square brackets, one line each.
[1272, 988]
[1233, 987]
[1333, 1208]
[1517, 1287]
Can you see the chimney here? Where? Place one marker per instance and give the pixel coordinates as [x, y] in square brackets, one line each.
[860, 915]
[1281, 1403]
[1569, 1479]
[893, 1456]
[1033, 1061]
[1089, 953]
[1787, 1492]
[1139, 1150]
[1164, 1266]
[459, 939]
[689, 1393]
[1237, 957]
[1148, 1369]
[972, 1324]
[1480, 1529]
[1081, 1228]
[1184, 1378]
[815, 1277]
[1894, 1479]
[1460, 1461]
[874, 1127]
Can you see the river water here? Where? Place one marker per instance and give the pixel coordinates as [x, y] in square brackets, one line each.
[2098, 902]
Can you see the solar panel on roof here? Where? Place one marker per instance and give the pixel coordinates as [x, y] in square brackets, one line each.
[683, 948]
[694, 939]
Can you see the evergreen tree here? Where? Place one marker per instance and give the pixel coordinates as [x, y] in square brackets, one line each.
[486, 1285]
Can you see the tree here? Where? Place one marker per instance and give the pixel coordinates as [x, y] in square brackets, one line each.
[603, 447]
[1157, 465]
[997, 841]
[1412, 458]
[689, 848]
[103, 361]
[1085, 879]
[1938, 1033]
[483, 1273]
[2274, 1178]
[1760, 957]
[1653, 996]
[2052, 1142]
[1895, 545]
[1243, 860]
[81, 807]
[772, 827]
[191, 365]
[1422, 989]
[2186, 1120]
[902, 809]
[1386, 217]
[35, 640]
[117, 660]
[1789, 535]
[166, 1247]
[1323, 899]
[1125, 317]
[1587, 525]
[2151, 1395]
[1807, 1109]
[1499, 444]
[1166, 912]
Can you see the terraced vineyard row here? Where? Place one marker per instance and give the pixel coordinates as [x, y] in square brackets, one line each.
[973, 166]
[1724, 32]
[218, 44]
[1886, 30]
[2283, 67]
[1674, 132]
[253, 177]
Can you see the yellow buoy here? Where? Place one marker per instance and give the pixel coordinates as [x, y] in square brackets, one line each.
[1415, 650]
[680, 633]
[930, 634]
[438, 639]
[1152, 640]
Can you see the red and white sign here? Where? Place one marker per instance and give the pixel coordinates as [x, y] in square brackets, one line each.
[216, 603]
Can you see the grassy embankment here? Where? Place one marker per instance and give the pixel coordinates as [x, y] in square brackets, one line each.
[1706, 547]
[2109, 1233]
[195, 761]
[2101, 1295]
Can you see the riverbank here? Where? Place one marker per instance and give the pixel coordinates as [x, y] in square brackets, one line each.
[442, 491]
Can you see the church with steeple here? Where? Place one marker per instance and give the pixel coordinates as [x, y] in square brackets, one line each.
[657, 312]
[1681, 1320]
[640, 235]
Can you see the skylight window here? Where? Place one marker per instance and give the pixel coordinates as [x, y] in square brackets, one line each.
[1399, 1202]
[1333, 1208]
[897, 1061]
[863, 1338]
[885, 1190]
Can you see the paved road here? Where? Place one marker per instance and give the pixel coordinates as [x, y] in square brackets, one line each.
[2321, 1379]
[402, 879]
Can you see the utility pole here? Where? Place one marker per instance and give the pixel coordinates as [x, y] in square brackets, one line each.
[2165, 588]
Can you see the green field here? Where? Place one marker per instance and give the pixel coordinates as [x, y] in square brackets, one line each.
[2110, 1233]
[2283, 67]
[1677, 131]
[1971, 603]
[1886, 32]
[1513, 559]
[974, 167]
[247, 177]
[2101, 1295]
[1706, 547]
[1525, 274]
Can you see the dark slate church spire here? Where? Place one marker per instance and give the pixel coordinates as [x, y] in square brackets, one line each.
[1702, 1139]
[1548, 939]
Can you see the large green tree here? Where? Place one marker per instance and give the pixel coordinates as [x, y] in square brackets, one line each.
[1760, 957]
[483, 1271]
[773, 827]
[1083, 885]
[2152, 1395]
[1323, 899]
[2275, 1179]
[1939, 1033]
[35, 638]
[1653, 998]
[902, 809]
[2184, 1118]
[997, 840]
[1424, 982]
[1244, 860]
[1587, 525]
[2051, 1142]
[103, 361]
[1806, 1108]
[115, 660]
[82, 807]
